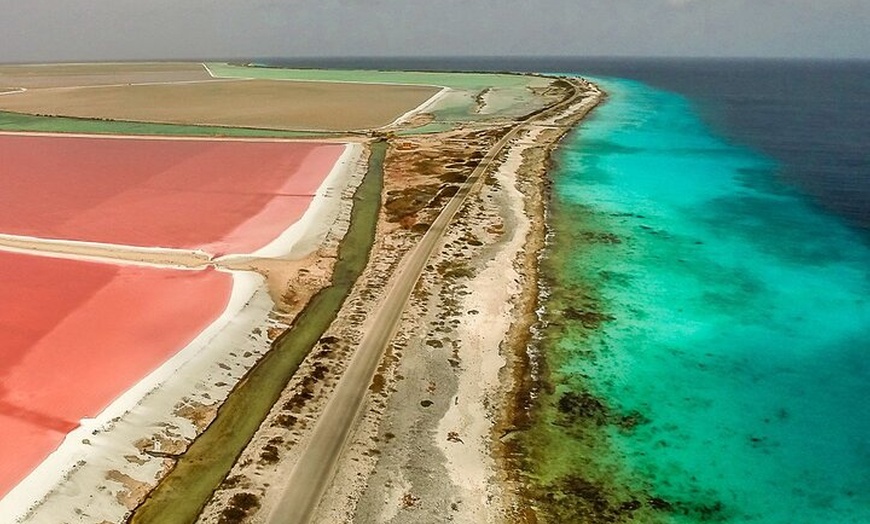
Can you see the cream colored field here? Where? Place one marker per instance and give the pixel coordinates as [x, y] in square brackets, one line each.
[67, 75]
[267, 104]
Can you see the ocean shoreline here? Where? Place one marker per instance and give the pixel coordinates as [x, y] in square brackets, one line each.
[376, 446]
[702, 327]
[457, 371]
[523, 373]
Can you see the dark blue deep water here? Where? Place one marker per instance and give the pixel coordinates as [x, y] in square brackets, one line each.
[812, 118]
[706, 330]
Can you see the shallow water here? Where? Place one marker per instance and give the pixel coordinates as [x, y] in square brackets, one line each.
[730, 328]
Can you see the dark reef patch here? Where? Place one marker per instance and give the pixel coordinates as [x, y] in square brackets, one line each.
[569, 468]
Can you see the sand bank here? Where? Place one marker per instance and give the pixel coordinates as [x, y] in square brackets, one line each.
[464, 431]
[103, 252]
[425, 106]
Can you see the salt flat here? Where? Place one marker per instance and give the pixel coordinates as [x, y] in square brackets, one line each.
[265, 104]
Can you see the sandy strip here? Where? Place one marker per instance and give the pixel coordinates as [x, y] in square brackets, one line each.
[175, 82]
[492, 292]
[433, 100]
[76, 474]
[105, 252]
[319, 140]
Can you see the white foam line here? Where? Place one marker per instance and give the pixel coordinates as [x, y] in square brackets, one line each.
[316, 220]
[434, 99]
[50, 473]
[15, 91]
[52, 246]
[211, 74]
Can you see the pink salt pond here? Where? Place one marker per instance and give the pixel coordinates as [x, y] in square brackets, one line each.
[221, 196]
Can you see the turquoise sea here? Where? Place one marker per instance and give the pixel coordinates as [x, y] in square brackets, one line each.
[707, 330]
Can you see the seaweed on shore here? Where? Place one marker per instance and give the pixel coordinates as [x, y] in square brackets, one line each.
[561, 450]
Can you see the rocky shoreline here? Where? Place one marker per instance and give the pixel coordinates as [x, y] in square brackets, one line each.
[436, 451]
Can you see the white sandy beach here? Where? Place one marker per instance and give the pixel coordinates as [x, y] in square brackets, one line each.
[470, 413]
